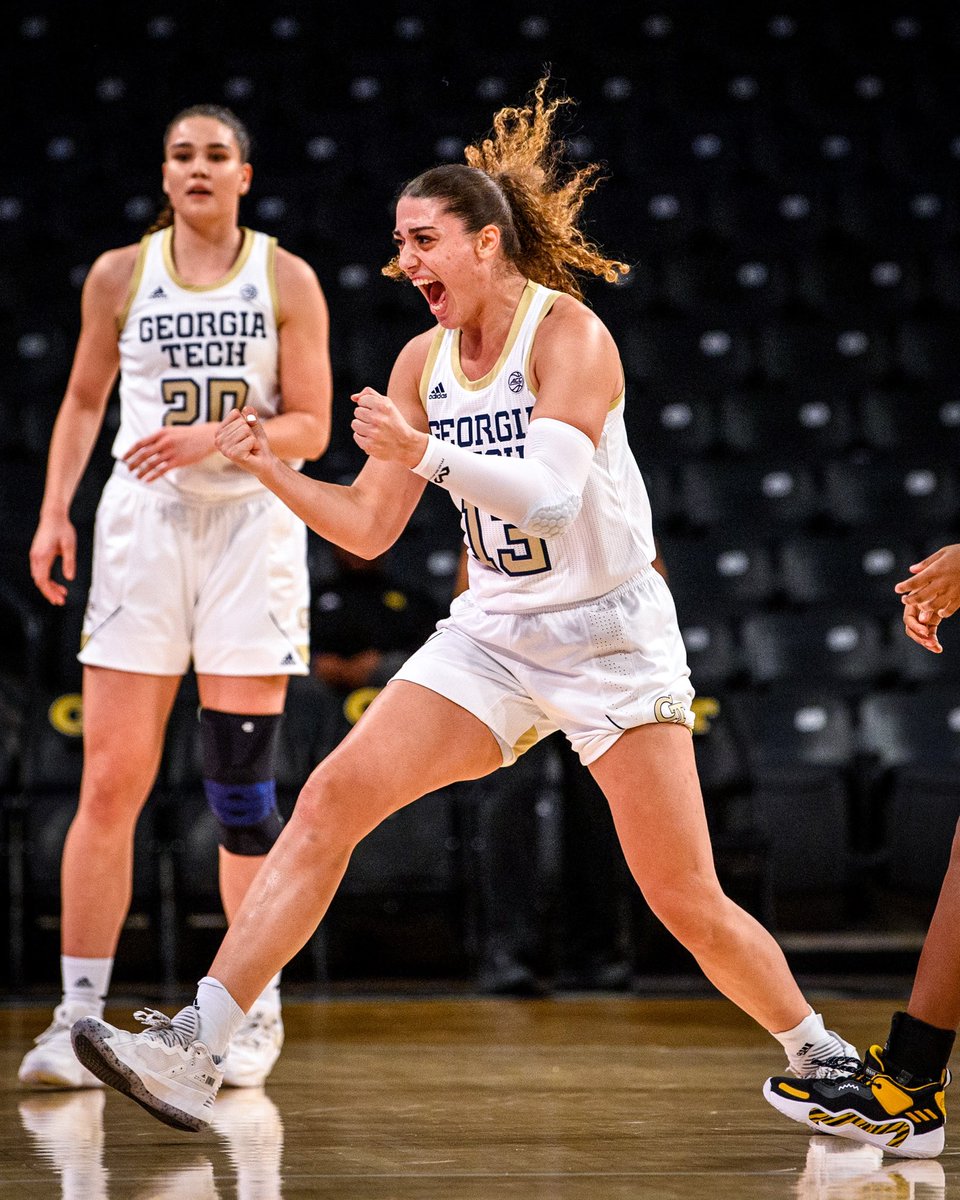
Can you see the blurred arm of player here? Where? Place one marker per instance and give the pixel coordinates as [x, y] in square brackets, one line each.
[369, 515]
[96, 362]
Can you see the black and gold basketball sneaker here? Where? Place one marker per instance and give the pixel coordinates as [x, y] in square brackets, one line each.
[899, 1113]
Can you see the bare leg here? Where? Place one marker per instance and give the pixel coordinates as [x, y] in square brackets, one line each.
[936, 989]
[649, 777]
[124, 720]
[253, 695]
[409, 742]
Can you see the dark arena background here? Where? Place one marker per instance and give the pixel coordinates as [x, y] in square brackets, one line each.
[489, 1008]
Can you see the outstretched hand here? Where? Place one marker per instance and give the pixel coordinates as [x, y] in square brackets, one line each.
[241, 438]
[934, 586]
[922, 628]
[380, 430]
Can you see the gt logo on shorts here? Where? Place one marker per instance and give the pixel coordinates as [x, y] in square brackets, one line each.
[666, 709]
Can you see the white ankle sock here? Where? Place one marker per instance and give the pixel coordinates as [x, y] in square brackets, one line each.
[810, 1031]
[85, 981]
[220, 1016]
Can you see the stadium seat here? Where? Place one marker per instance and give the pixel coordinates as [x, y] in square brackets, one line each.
[849, 355]
[921, 424]
[669, 431]
[858, 569]
[718, 576]
[860, 286]
[801, 751]
[913, 739]
[713, 653]
[766, 423]
[836, 646]
[926, 351]
[677, 356]
[749, 498]
[726, 285]
[914, 665]
[904, 496]
[46, 802]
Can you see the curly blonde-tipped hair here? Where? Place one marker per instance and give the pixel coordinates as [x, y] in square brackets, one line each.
[514, 179]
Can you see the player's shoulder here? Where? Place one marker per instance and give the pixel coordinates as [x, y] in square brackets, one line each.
[571, 319]
[292, 268]
[112, 271]
[413, 356]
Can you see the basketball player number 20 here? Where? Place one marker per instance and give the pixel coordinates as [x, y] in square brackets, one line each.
[183, 398]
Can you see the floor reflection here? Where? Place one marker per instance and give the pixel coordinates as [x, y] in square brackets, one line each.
[840, 1169]
[66, 1130]
[66, 1133]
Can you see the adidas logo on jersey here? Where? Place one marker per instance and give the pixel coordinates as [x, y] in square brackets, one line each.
[438, 393]
[289, 661]
[158, 294]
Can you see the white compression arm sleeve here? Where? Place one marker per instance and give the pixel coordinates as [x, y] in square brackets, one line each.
[540, 493]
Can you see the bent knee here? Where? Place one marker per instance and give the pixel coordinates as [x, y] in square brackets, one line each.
[695, 915]
[330, 804]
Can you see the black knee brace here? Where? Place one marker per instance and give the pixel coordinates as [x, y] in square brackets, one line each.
[239, 755]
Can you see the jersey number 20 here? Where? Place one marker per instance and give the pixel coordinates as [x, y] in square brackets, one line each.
[183, 399]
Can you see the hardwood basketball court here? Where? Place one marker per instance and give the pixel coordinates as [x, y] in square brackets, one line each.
[421, 1099]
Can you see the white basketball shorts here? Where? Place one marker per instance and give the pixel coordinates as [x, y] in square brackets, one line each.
[592, 670]
[221, 582]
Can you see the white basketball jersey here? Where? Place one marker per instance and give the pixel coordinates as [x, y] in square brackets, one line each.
[190, 353]
[611, 538]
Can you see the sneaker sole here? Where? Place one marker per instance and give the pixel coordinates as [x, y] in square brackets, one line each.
[915, 1145]
[95, 1053]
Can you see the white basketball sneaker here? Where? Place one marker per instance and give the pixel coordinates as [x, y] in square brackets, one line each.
[52, 1063]
[164, 1068]
[254, 1049]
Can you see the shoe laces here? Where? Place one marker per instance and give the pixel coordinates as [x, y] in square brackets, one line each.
[162, 1028]
[840, 1064]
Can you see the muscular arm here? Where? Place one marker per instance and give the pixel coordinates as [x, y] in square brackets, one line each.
[577, 376]
[95, 365]
[368, 516]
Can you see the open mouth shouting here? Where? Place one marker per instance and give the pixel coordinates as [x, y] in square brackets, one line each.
[433, 291]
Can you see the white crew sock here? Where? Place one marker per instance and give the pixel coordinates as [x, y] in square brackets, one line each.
[213, 1018]
[802, 1037]
[86, 981]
